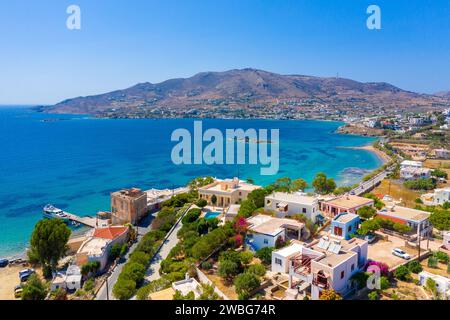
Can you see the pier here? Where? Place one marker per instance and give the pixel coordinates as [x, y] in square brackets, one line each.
[87, 221]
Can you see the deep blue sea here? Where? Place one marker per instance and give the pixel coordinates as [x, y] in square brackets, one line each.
[75, 162]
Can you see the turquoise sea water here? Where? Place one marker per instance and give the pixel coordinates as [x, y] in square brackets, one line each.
[76, 163]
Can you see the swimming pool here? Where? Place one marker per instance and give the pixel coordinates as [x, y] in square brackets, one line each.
[212, 215]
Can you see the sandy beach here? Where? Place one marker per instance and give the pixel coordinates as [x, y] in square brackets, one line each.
[380, 154]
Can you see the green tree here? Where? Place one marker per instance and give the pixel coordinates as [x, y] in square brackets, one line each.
[208, 293]
[201, 203]
[369, 226]
[49, 243]
[257, 269]
[265, 255]
[322, 184]
[34, 289]
[214, 199]
[245, 283]
[366, 213]
[438, 173]
[402, 273]
[377, 202]
[246, 257]
[440, 219]
[140, 257]
[257, 197]
[228, 269]
[133, 271]
[298, 185]
[415, 267]
[124, 288]
[179, 296]
[116, 251]
[420, 184]
[247, 208]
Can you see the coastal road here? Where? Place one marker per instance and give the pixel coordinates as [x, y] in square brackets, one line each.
[367, 186]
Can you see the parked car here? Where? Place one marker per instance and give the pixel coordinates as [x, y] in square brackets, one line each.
[400, 253]
[370, 238]
[3, 263]
[18, 291]
[25, 274]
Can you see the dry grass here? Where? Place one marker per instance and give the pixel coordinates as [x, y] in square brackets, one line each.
[9, 279]
[405, 291]
[440, 270]
[397, 191]
[227, 289]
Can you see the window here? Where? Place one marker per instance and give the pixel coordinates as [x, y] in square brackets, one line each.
[349, 228]
[353, 267]
[304, 210]
[266, 241]
[342, 274]
[278, 261]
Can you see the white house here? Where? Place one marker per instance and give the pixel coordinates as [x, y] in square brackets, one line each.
[69, 280]
[412, 173]
[411, 164]
[442, 283]
[442, 153]
[287, 204]
[438, 197]
[326, 264]
[265, 231]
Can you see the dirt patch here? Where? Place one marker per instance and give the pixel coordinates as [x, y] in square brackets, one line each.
[228, 290]
[405, 291]
[9, 279]
[397, 191]
[440, 270]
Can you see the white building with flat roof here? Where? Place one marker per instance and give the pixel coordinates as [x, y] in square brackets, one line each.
[442, 283]
[438, 197]
[288, 204]
[265, 231]
[328, 263]
[411, 164]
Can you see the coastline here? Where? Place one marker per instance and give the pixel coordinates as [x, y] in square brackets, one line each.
[380, 154]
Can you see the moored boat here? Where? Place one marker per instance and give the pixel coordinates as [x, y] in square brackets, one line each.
[51, 212]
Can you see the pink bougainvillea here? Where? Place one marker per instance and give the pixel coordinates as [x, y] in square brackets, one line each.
[241, 225]
[238, 241]
[384, 268]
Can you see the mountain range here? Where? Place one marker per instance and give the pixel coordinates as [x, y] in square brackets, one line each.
[251, 88]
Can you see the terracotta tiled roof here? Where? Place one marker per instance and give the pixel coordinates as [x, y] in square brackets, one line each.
[110, 232]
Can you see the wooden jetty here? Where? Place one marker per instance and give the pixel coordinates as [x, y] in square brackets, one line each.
[87, 221]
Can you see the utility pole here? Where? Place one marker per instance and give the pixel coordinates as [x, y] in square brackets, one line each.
[419, 242]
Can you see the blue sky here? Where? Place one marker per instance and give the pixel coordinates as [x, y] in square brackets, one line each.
[122, 43]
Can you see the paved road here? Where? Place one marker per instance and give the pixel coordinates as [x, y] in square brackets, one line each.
[171, 241]
[144, 228]
[366, 186]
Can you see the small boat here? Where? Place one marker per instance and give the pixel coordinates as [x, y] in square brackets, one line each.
[52, 212]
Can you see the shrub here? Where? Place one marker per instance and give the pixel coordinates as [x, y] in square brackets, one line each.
[201, 203]
[89, 285]
[330, 295]
[124, 288]
[360, 279]
[133, 271]
[384, 283]
[373, 295]
[245, 283]
[440, 219]
[420, 184]
[191, 216]
[257, 269]
[140, 257]
[247, 208]
[206, 265]
[441, 256]
[432, 262]
[246, 257]
[265, 255]
[403, 273]
[415, 267]
[34, 289]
